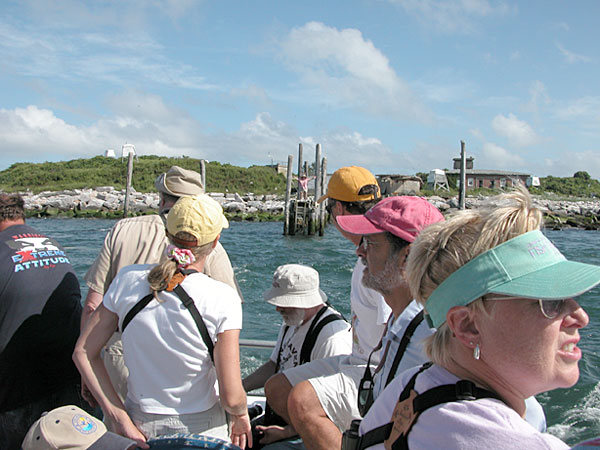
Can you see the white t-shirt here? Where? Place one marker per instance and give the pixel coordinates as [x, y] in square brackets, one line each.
[334, 339]
[461, 425]
[414, 354]
[369, 315]
[170, 370]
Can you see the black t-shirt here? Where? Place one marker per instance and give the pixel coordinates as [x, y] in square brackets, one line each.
[40, 310]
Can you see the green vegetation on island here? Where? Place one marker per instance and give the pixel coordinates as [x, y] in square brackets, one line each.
[103, 171]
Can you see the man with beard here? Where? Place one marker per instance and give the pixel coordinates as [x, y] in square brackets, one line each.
[320, 398]
[312, 330]
[387, 231]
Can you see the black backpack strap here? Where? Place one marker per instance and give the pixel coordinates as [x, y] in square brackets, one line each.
[285, 330]
[270, 417]
[313, 333]
[381, 433]
[461, 390]
[136, 309]
[408, 334]
[189, 304]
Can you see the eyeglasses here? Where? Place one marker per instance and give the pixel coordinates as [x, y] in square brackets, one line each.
[365, 243]
[549, 308]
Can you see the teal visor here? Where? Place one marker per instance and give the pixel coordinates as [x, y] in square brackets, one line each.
[527, 266]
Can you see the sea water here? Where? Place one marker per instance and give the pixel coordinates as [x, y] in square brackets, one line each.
[256, 249]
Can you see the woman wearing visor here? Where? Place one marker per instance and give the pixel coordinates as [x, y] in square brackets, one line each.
[502, 299]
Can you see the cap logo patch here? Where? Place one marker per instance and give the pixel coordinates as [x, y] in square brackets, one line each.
[540, 247]
[84, 424]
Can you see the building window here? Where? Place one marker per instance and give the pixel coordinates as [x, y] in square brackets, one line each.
[480, 183]
[470, 182]
[492, 184]
[502, 183]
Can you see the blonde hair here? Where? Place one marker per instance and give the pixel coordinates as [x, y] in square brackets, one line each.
[161, 274]
[444, 247]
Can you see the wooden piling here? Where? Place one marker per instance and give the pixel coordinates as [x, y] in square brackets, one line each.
[463, 176]
[314, 214]
[322, 181]
[288, 192]
[128, 184]
[300, 160]
[203, 173]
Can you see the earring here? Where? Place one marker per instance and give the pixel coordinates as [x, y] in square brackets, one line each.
[476, 352]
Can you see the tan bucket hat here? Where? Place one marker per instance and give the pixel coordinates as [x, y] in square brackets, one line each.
[179, 182]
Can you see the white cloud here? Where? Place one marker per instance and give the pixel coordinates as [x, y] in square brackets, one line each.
[476, 133]
[571, 57]
[580, 109]
[35, 134]
[79, 56]
[562, 26]
[570, 162]
[539, 98]
[344, 146]
[495, 157]
[453, 16]
[518, 132]
[489, 58]
[349, 71]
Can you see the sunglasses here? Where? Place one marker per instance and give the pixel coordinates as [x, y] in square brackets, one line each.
[549, 308]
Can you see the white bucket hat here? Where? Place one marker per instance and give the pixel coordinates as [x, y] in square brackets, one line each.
[295, 286]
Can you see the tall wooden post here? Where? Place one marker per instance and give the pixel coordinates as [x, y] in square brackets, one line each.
[203, 173]
[128, 184]
[315, 213]
[300, 151]
[321, 181]
[463, 176]
[300, 156]
[288, 191]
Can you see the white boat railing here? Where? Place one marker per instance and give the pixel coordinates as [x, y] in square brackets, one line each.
[256, 343]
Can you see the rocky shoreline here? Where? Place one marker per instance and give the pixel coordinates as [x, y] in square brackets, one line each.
[108, 202]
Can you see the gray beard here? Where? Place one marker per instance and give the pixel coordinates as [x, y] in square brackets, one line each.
[295, 319]
[386, 280]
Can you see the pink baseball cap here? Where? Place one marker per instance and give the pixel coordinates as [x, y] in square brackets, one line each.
[403, 216]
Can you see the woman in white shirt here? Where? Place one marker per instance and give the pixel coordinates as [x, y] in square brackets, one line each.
[501, 297]
[179, 380]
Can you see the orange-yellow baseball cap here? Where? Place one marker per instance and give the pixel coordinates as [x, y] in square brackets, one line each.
[201, 216]
[346, 183]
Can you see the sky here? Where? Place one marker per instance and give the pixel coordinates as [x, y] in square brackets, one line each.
[391, 85]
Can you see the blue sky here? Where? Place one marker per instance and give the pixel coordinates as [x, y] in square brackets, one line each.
[392, 85]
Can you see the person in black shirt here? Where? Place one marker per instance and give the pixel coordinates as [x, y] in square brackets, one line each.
[40, 310]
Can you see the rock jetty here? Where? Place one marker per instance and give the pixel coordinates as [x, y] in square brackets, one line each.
[106, 201]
